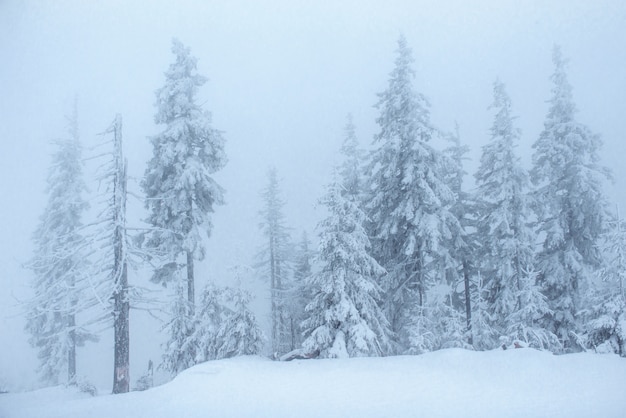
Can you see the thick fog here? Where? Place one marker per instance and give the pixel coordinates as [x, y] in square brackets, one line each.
[283, 75]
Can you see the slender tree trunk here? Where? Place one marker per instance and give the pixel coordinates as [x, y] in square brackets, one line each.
[420, 275]
[273, 295]
[121, 305]
[280, 313]
[71, 351]
[468, 302]
[518, 273]
[191, 292]
[191, 288]
[121, 379]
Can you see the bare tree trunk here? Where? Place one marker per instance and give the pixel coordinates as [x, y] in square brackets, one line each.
[121, 379]
[71, 350]
[273, 295]
[468, 302]
[121, 305]
[191, 292]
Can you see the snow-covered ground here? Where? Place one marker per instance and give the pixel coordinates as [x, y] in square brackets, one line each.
[448, 383]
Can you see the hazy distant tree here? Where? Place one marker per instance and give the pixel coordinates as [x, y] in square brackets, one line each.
[504, 230]
[351, 169]
[299, 293]
[409, 200]
[344, 318]
[59, 265]
[570, 206]
[180, 190]
[273, 261]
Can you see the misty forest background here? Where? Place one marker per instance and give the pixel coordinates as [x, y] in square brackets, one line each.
[305, 181]
[405, 259]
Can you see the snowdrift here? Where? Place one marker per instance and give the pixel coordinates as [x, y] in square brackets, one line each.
[448, 383]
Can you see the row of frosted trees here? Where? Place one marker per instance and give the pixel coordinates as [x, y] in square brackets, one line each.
[407, 262]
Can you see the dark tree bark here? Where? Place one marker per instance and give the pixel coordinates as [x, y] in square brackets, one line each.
[191, 292]
[71, 350]
[121, 305]
[468, 301]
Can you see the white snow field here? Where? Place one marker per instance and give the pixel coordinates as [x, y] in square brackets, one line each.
[448, 383]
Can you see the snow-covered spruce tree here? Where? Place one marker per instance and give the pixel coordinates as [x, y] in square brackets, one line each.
[504, 213]
[59, 265]
[570, 206]
[444, 322]
[462, 242]
[409, 200]
[273, 262]
[208, 319]
[223, 327]
[180, 351]
[180, 190]
[484, 336]
[344, 318]
[606, 329]
[525, 323]
[239, 334]
[351, 170]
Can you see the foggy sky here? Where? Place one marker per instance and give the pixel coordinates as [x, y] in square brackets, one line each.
[282, 77]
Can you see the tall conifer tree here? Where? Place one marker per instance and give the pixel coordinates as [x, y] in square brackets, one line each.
[59, 265]
[274, 262]
[571, 207]
[181, 192]
[409, 198]
[504, 213]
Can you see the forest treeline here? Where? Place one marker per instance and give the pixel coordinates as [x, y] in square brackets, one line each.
[408, 261]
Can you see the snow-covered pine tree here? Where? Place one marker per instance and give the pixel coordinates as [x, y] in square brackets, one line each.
[444, 322]
[208, 319]
[526, 322]
[409, 200]
[571, 207]
[59, 265]
[239, 334]
[484, 336]
[273, 262]
[352, 166]
[180, 350]
[223, 327]
[462, 242]
[344, 318]
[606, 329]
[180, 190]
[504, 213]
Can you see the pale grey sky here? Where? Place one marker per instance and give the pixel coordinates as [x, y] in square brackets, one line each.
[282, 77]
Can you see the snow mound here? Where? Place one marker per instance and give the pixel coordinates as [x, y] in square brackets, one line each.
[448, 383]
